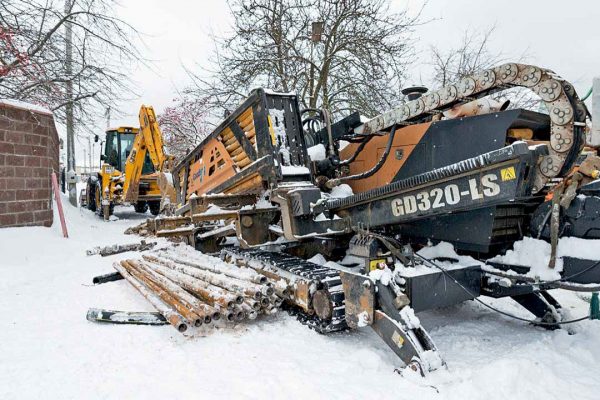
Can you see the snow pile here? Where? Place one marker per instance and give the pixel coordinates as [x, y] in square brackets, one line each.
[440, 250]
[213, 210]
[294, 170]
[408, 314]
[535, 253]
[341, 191]
[383, 275]
[363, 319]
[318, 259]
[317, 152]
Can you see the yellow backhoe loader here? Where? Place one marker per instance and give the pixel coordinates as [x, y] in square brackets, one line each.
[133, 162]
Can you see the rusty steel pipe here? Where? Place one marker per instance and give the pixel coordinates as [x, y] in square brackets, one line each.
[249, 312]
[236, 287]
[239, 314]
[213, 296]
[256, 305]
[229, 315]
[233, 284]
[192, 318]
[191, 302]
[225, 269]
[170, 314]
[264, 302]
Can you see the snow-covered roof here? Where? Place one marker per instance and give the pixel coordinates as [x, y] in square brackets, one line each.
[25, 106]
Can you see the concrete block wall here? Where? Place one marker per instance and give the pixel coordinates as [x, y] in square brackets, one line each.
[29, 152]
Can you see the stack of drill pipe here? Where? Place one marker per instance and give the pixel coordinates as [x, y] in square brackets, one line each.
[171, 295]
[191, 291]
[167, 311]
[281, 281]
[237, 297]
[225, 269]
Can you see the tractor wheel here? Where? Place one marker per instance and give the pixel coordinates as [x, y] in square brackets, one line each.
[90, 195]
[98, 199]
[154, 207]
[103, 211]
[141, 207]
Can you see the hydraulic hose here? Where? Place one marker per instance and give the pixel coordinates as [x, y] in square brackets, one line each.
[334, 182]
[584, 98]
[360, 148]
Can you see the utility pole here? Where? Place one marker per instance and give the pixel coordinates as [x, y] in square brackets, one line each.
[71, 178]
[90, 154]
[84, 161]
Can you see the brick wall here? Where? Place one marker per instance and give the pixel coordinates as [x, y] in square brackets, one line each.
[29, 152]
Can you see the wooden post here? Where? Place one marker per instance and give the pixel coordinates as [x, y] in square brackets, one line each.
[63, 224]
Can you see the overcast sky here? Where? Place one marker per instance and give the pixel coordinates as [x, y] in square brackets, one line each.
[557, 34]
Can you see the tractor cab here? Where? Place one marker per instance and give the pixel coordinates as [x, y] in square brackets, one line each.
[117, 147]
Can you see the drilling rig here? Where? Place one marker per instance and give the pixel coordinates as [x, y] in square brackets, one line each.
[272, 186]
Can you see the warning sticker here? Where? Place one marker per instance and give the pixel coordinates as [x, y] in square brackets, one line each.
[396, 338]
[508, 174]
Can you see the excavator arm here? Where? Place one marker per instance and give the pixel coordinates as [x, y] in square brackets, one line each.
[148, 141]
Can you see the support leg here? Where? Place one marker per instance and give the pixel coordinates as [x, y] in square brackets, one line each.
[542, 305]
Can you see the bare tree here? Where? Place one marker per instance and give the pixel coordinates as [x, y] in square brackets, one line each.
[184, 125]
[345, 55]
[473, 54]
[32, 55]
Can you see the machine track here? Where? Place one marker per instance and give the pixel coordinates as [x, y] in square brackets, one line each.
[326, 280]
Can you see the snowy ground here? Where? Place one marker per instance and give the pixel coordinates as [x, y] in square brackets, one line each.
[48, 350]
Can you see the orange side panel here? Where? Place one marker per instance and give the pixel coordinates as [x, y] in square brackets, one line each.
[404, 143]
[213, 168]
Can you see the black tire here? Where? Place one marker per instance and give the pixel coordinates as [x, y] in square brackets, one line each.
[90, 190]
[98, 199]
[98, 202]
[154, 207]
[141, 207]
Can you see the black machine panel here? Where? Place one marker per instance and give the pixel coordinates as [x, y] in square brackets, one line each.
[450, 141]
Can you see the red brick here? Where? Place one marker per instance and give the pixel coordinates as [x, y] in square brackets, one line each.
[8, 219]
[32, 183]
[23, 126]
[30, 138]
[25, 218]
[3, 207]
[38, 150]
[2, 135]
[17, 206]
[6, 123]
[7, 171]
[23, 149]
[25, 194]
[7, 195]
[15, 161]
[32, 161]
[40, 172]
[40, 129]
[44, 161]
[22, 172]
[7, 148]
[15, 183]
[42, 215]
[43, 141]
[2, 158]
[13, 137]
